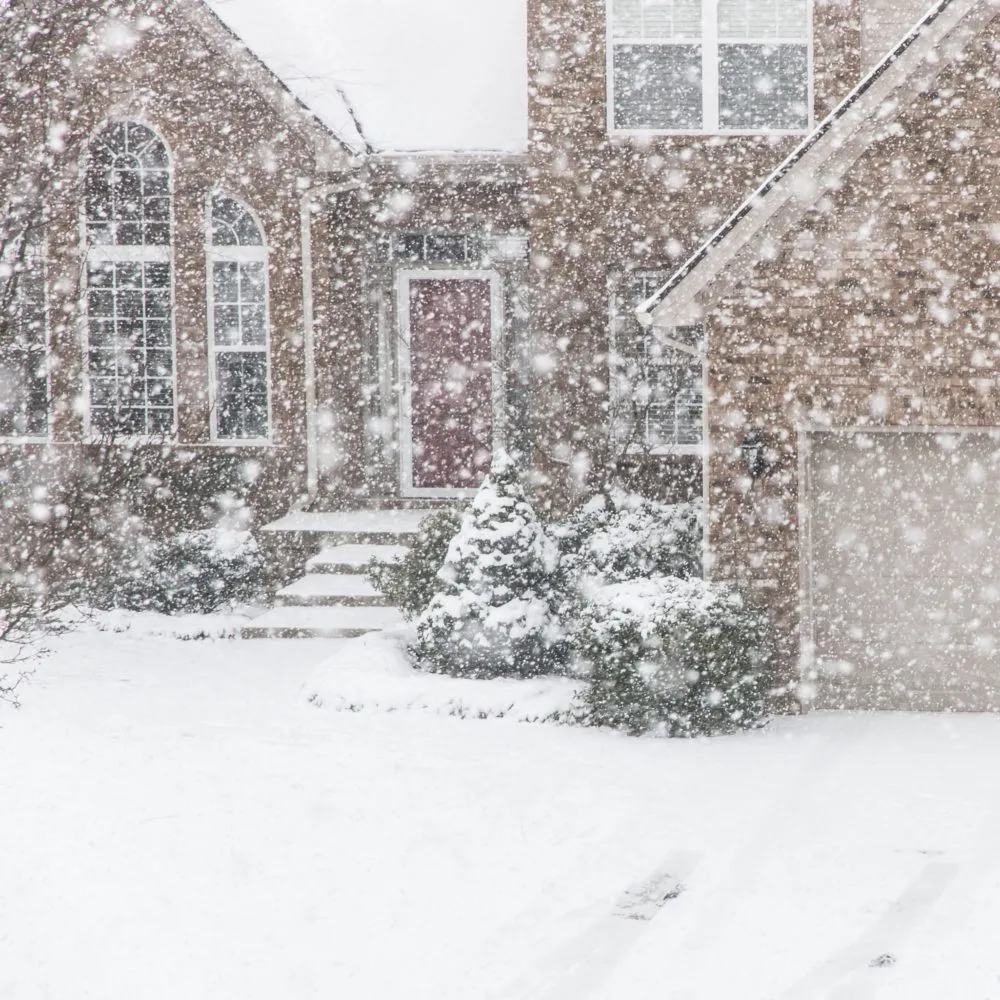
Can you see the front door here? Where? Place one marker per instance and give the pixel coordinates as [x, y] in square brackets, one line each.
[450, 380]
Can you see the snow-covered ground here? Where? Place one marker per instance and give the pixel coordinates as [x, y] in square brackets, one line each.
[179, 821]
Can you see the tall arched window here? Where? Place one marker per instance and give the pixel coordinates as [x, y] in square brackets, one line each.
[237, 260]
[130, 356]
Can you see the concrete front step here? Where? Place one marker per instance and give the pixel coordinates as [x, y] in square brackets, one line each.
[352, 527]
[351, 558]
[328, 589]
[321, 623]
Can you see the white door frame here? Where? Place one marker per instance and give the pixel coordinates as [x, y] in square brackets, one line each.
[403, 279]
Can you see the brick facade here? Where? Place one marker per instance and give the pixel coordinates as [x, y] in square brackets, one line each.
[876, 307]
[227, 126]
[603, 206]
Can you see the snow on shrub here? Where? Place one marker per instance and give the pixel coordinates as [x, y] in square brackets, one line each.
[411, 582]
[620, 536]
[494, 614]
[680, 657]
[192, 572]
[374, 674]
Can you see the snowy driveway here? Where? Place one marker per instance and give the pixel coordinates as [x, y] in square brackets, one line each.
[179, 823]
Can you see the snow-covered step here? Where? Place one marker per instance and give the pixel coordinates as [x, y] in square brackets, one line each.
[329, 588]
[382, 527]
[321, 623]
[351, 558]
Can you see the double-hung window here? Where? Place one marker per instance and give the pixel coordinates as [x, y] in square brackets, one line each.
[656, 376]
[710, 66]
[130, 353]
[237, 260]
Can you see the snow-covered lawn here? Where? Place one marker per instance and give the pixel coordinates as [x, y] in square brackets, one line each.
[179, 822]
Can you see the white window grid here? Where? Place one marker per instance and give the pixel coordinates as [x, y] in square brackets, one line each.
[658, 23]
[231, 345]
[24, 373]
[655, 379]
[131, 381]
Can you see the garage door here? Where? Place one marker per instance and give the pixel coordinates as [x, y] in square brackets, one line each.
[902, 558]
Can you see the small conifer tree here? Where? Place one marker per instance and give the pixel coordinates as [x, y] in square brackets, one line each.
[494, 614]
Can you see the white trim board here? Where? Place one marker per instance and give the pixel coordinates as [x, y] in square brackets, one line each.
[403, 279]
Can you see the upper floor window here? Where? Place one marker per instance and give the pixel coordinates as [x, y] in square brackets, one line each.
[709, 65]
[130, 354]
[238, 326]
[23, 328]
[656, 380]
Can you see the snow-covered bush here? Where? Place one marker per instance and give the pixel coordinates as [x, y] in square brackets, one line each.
[187, 573]
[411, 582]
[494, 613]
[619, 536]
[680, 657]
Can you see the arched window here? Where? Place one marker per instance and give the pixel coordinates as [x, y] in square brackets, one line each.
[237, 259]
[130, 359]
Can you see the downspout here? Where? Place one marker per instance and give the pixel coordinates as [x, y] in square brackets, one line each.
[309, 345]
[309, 327]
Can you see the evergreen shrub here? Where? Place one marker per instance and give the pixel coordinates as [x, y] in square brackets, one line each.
[678, 657]
[618, 536]
[411, 582]
[495, 610]
[191, 572]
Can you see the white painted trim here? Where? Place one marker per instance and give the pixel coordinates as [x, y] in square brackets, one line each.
[709, 43]
[706, 452]
[498, 387]
[148, 254]
[807, 618]
[113, 253]
[309, 344]
[217, 254]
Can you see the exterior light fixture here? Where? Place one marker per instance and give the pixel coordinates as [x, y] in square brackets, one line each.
[754, 458]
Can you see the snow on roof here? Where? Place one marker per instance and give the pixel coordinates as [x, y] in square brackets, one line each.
[428, 75]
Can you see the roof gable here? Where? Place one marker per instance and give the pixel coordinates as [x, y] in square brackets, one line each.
[252, 71]
[802, 179]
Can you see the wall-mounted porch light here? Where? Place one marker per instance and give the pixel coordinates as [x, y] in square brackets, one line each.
[754, 455]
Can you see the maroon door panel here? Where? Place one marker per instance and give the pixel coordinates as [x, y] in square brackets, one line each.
[451, 382]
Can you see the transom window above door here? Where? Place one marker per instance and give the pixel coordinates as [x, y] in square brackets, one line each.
[708, 66]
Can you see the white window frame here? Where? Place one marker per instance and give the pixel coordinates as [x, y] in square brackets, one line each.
[709, 42]
[217, 254]
[37, 255]
[621, 386]
[98, 253]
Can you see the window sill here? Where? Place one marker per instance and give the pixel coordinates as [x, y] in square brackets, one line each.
[645, 133]
[237, 443]
[670, 450]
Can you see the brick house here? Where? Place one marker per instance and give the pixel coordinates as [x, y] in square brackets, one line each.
[367, 328]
